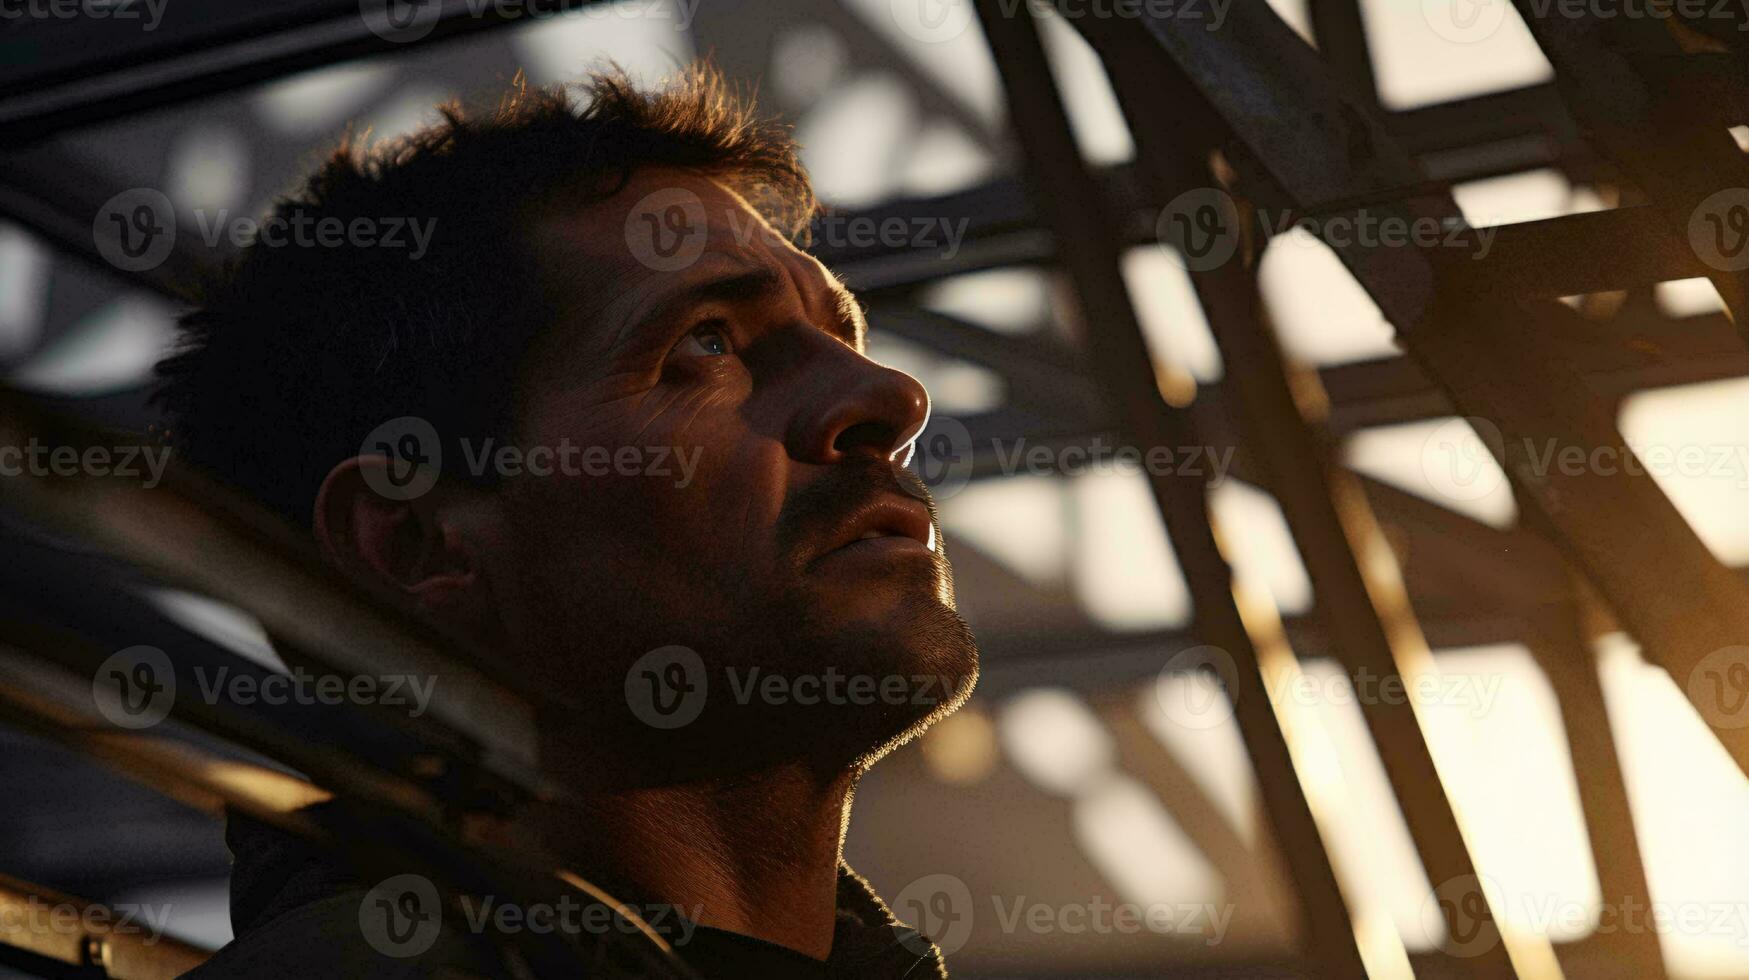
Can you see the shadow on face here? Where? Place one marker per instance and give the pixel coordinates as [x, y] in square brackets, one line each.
[722, 561]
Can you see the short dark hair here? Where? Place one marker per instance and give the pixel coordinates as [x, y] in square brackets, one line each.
[293, 354]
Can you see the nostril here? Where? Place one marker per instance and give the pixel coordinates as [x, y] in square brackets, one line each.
[865, 438]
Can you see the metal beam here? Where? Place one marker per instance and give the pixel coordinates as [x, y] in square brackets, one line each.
[87, 70]
[1296, 140]
[1360, 594]
[1563, 649]
[1340, 32]
[1670, 144]
[1073, 206]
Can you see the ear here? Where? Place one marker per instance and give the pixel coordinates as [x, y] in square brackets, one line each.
[416, 547]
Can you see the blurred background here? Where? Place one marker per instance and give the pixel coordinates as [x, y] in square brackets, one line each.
[1087, 769]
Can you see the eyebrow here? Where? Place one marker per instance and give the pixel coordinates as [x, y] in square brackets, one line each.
[847, 321]
[849, 318]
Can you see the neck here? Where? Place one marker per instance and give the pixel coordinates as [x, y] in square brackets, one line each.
[757, 857]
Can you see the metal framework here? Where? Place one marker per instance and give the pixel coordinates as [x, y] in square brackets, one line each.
[1251, 111]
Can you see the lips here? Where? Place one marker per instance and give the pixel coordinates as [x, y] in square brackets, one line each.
[885, 522]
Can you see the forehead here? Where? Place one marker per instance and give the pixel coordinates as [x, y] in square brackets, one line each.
[663, 229]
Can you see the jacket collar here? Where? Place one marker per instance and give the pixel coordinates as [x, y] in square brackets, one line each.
[274, 872]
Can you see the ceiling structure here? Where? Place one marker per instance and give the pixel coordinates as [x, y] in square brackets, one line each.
[1574, 313]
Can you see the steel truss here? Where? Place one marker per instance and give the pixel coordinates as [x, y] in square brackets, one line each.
[1250, 111]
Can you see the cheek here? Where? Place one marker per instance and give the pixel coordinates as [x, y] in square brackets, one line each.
[710, 488]
[728, 508]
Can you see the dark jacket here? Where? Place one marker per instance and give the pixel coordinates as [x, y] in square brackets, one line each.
[296, 913]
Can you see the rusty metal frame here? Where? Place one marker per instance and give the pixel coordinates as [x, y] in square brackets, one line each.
[1360, 599]
[1298, 138]
[1069, 198]
[1304, 132]
[1497, 356]
[407, 787]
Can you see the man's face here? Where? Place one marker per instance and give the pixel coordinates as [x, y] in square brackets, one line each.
[736, 488]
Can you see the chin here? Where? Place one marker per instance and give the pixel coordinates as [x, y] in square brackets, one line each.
[900, 629]
[931, 647]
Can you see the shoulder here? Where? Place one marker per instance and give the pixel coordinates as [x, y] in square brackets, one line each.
[325, 938]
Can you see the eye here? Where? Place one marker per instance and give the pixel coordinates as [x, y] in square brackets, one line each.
[709, 339]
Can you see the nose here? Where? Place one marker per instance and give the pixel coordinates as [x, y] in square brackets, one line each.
[854, 407]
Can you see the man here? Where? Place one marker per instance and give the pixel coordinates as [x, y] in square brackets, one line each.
[670, 493]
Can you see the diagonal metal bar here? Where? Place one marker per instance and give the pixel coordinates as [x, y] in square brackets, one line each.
[1297, 140]
[1563, 650]
[83, 941]
[742, 46]
[1560, 256]
[198, 535]
[105, 69]
[1248, 869]
[1667, 143]
[478, 746]
[1069, 199]
[1362, 602]
[1340, 30]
